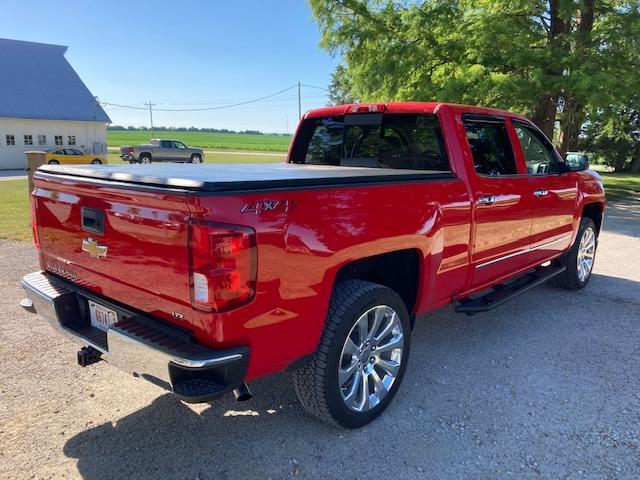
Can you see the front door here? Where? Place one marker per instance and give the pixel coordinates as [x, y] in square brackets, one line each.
[502, 204]
[180, 152]
[553, 194]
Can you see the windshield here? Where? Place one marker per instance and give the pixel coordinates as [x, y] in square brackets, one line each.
[403, 141]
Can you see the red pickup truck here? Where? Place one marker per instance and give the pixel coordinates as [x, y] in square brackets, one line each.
[200, 278]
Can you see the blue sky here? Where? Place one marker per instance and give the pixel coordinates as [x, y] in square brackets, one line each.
[185, 54]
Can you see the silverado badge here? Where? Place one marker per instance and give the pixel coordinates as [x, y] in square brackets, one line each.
[93, 248]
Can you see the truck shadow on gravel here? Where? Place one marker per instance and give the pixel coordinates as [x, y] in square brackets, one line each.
[491, 372]
[168, 439]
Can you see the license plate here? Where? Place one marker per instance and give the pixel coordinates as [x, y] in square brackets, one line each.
[101, 317]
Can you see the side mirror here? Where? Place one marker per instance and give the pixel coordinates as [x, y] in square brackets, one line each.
[576, 162]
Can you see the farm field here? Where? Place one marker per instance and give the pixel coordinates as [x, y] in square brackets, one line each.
[215, 141]
[226, 157]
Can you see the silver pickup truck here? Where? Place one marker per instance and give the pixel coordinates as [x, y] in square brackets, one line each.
[161, 151]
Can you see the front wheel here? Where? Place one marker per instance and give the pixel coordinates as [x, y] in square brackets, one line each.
[362, 356]
[96, 162]
[195, 158]
[580, 259]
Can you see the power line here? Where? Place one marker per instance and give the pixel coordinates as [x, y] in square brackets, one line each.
[206, 108]
[313, 86]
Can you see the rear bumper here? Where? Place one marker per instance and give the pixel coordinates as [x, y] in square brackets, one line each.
[138, 344]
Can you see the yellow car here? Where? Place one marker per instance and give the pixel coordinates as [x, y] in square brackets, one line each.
[73, 155]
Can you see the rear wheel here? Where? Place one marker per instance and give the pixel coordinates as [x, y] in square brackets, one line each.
[580, 259]
[96, 162]
[53, 162]
[362, 356]
[195, 158]
[145, 158]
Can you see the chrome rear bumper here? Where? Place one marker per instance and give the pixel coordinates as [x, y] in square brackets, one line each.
[138, 344]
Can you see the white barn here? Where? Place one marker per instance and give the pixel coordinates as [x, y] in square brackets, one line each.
[44, 104]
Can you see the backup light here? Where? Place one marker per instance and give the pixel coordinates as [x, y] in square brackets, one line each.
[223, 265]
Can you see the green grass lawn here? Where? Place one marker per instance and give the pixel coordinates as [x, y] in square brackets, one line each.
[215, 141]
[15, 223]
[15, 219]
[618, 185]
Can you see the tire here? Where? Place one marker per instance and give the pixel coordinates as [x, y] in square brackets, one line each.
[53, 162]
[145, 158]
[195, 158]
[575, 278]
[96, 161]
[317, 383]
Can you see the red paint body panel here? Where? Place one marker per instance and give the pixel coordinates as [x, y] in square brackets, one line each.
[301, 250]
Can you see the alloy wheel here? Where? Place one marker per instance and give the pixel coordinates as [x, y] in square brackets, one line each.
[370, 358]
[586, 254]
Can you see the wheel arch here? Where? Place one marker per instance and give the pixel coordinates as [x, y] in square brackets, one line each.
[142, 154]
[594, 211]
[398, 270]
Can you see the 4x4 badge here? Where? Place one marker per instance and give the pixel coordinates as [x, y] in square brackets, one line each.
[93, 248]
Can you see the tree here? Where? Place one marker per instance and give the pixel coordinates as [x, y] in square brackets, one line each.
[339, 88]
[614, 135]
[548, 59]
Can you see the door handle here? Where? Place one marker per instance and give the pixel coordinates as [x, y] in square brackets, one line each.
[541, 192]
[487, 200]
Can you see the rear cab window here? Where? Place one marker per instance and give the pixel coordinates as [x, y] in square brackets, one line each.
[374, 140]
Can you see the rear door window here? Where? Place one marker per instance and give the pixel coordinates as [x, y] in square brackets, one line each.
[490, 146]
[399, 141]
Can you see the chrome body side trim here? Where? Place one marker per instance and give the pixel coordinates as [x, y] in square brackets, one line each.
[557, 240]
[521, 252]
[500, 259]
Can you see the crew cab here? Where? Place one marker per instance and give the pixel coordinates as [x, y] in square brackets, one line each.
[202, 278]
[160, 150]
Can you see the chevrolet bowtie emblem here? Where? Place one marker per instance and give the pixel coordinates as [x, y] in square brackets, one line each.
[93, 248]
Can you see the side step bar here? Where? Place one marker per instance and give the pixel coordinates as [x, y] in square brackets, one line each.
[504, 292]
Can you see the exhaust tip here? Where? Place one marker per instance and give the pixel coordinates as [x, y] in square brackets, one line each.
[242, 393]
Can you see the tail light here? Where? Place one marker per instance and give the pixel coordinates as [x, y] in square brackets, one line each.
[129, 149]
[223, 265]
[34, 223]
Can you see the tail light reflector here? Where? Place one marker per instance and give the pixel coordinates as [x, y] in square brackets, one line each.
[223, 265]
[34, 223]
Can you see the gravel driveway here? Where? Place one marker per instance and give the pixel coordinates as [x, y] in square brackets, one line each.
[547, 386]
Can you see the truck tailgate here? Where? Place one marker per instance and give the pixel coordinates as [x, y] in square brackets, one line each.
[128, 244]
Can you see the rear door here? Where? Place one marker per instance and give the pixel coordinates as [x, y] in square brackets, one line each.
[166, 150]
[502, 203]
[553, 194]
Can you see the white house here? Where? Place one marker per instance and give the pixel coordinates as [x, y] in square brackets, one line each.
[44, 104]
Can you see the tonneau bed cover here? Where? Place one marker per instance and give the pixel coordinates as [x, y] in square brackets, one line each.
[232, 176]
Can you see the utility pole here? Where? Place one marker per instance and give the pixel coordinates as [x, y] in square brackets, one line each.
[299, 103]
[150, 105]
